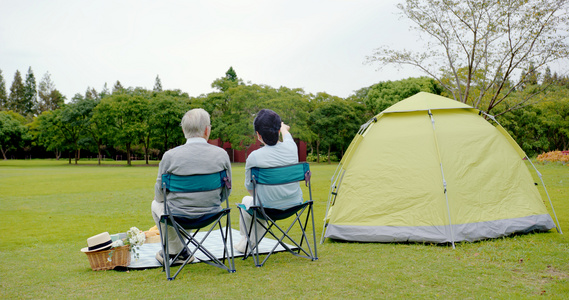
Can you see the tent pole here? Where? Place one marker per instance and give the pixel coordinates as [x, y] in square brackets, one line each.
[550, 203]
[334, 185]
[444, 180]
[330, 193]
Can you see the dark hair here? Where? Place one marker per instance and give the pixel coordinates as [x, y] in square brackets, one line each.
[268, 124]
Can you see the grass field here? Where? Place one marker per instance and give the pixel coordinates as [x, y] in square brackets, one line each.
[49, 208]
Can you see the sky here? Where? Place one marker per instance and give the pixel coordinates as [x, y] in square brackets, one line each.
[319, 46]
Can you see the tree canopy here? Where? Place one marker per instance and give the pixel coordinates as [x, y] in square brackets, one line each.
[3, 92]
[476, 47]
[142, 122]
[13, 133]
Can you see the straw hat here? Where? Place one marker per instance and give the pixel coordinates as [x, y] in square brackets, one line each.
[101, 241]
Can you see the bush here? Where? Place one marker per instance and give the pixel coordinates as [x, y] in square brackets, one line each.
[554, 156]
[310, 157]
[323, 158]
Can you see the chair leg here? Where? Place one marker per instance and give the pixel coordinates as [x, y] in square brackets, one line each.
[164, 242]
[229, 232]
[256, 245]
[248, 231]
[306, 252]
[285, 234]
[198, 246]
[311, 212]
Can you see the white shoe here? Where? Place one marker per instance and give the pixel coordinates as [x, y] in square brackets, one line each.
[180, 260]
[241, 245]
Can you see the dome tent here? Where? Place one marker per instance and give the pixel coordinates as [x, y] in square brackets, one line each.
[431, 169]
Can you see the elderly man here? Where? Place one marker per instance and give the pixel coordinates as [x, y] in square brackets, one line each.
[196, 156]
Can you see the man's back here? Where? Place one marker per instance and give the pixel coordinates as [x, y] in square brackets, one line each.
[194, 157]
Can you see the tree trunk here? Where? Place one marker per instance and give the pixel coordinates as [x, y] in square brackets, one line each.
[164, 147]
[99, 153]
[165, 143]
[128, 154]
[77, 155]
[98, 141]
[146, 148]
[3, 153]
[318, 151]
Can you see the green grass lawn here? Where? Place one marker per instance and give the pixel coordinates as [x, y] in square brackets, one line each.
[49, 208]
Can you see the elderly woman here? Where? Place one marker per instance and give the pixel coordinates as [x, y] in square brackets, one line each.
[267, 126]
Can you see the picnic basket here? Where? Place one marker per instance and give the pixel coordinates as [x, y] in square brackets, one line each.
[99, 260]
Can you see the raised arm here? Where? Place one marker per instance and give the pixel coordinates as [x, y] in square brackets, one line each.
[284, 128]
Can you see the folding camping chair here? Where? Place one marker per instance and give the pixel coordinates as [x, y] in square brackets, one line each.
[182, 224]
[278, 176]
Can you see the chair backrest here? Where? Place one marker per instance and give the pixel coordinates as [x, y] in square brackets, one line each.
[281, 175]
[195, 183]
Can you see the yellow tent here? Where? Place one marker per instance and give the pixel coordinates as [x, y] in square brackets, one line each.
[431, 169]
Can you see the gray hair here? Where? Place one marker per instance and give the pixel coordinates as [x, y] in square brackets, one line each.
[195, 122]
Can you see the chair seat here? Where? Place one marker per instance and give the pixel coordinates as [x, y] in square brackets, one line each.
[188, 222]
[276, 213]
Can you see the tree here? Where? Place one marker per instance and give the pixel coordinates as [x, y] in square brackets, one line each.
[167, 112]
[225, 83]
[490, 40]
[231, 75]
[93, 127]
[13, 133]
[157, 84]
[49, 97]
[293, 107]
[547, 77]
[122, 116]
[73, 119]
[105, 92]
[48, 132]
[118, 88]
[384, 94]
[335, 123]
[91, 93]
[91, 133]
[217, 105]
[16, 98]
[30, 94]
[244, 101]
[529, 77]
[3, 93]
[146, 120]
[543, 126]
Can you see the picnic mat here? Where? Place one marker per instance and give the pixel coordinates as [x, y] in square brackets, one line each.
[147, 252]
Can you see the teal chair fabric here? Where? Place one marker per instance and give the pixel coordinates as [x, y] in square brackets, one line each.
[187, 227]
[296, 216]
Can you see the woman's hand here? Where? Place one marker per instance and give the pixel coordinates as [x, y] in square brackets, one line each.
[284, 128]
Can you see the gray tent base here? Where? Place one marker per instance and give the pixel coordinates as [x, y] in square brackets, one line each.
[440, 234]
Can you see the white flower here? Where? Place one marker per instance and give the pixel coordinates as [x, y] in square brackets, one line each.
[136, 238]
[118, 243]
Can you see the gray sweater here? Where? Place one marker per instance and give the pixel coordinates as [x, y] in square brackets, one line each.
[194, 157]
